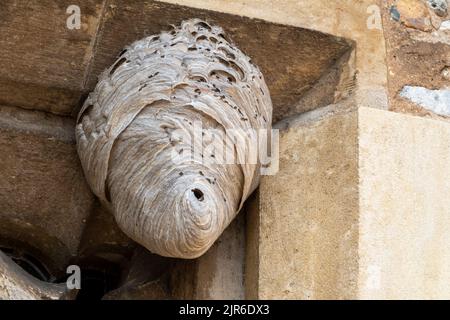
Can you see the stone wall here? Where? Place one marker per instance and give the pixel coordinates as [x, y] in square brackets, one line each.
[358, 208]
[418, 57]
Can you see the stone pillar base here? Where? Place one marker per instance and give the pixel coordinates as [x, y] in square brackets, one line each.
[359, 210]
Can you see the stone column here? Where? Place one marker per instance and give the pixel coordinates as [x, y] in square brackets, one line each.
[217, 275]
[358, 210]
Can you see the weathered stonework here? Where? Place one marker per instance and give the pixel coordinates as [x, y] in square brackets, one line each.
[43, 193]
[219, 274]
[358, 210]
[341, 231]
[416, 58]
[55, 61]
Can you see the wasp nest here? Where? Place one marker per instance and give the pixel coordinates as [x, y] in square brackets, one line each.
[128, 134]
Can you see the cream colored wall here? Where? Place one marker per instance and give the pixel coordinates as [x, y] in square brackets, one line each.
[365, 214]
[404, 185]
[308, 215]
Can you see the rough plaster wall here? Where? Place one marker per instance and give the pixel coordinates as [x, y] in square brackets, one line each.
[418, 56]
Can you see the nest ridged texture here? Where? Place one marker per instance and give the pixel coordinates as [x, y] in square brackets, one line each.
[125, 137]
